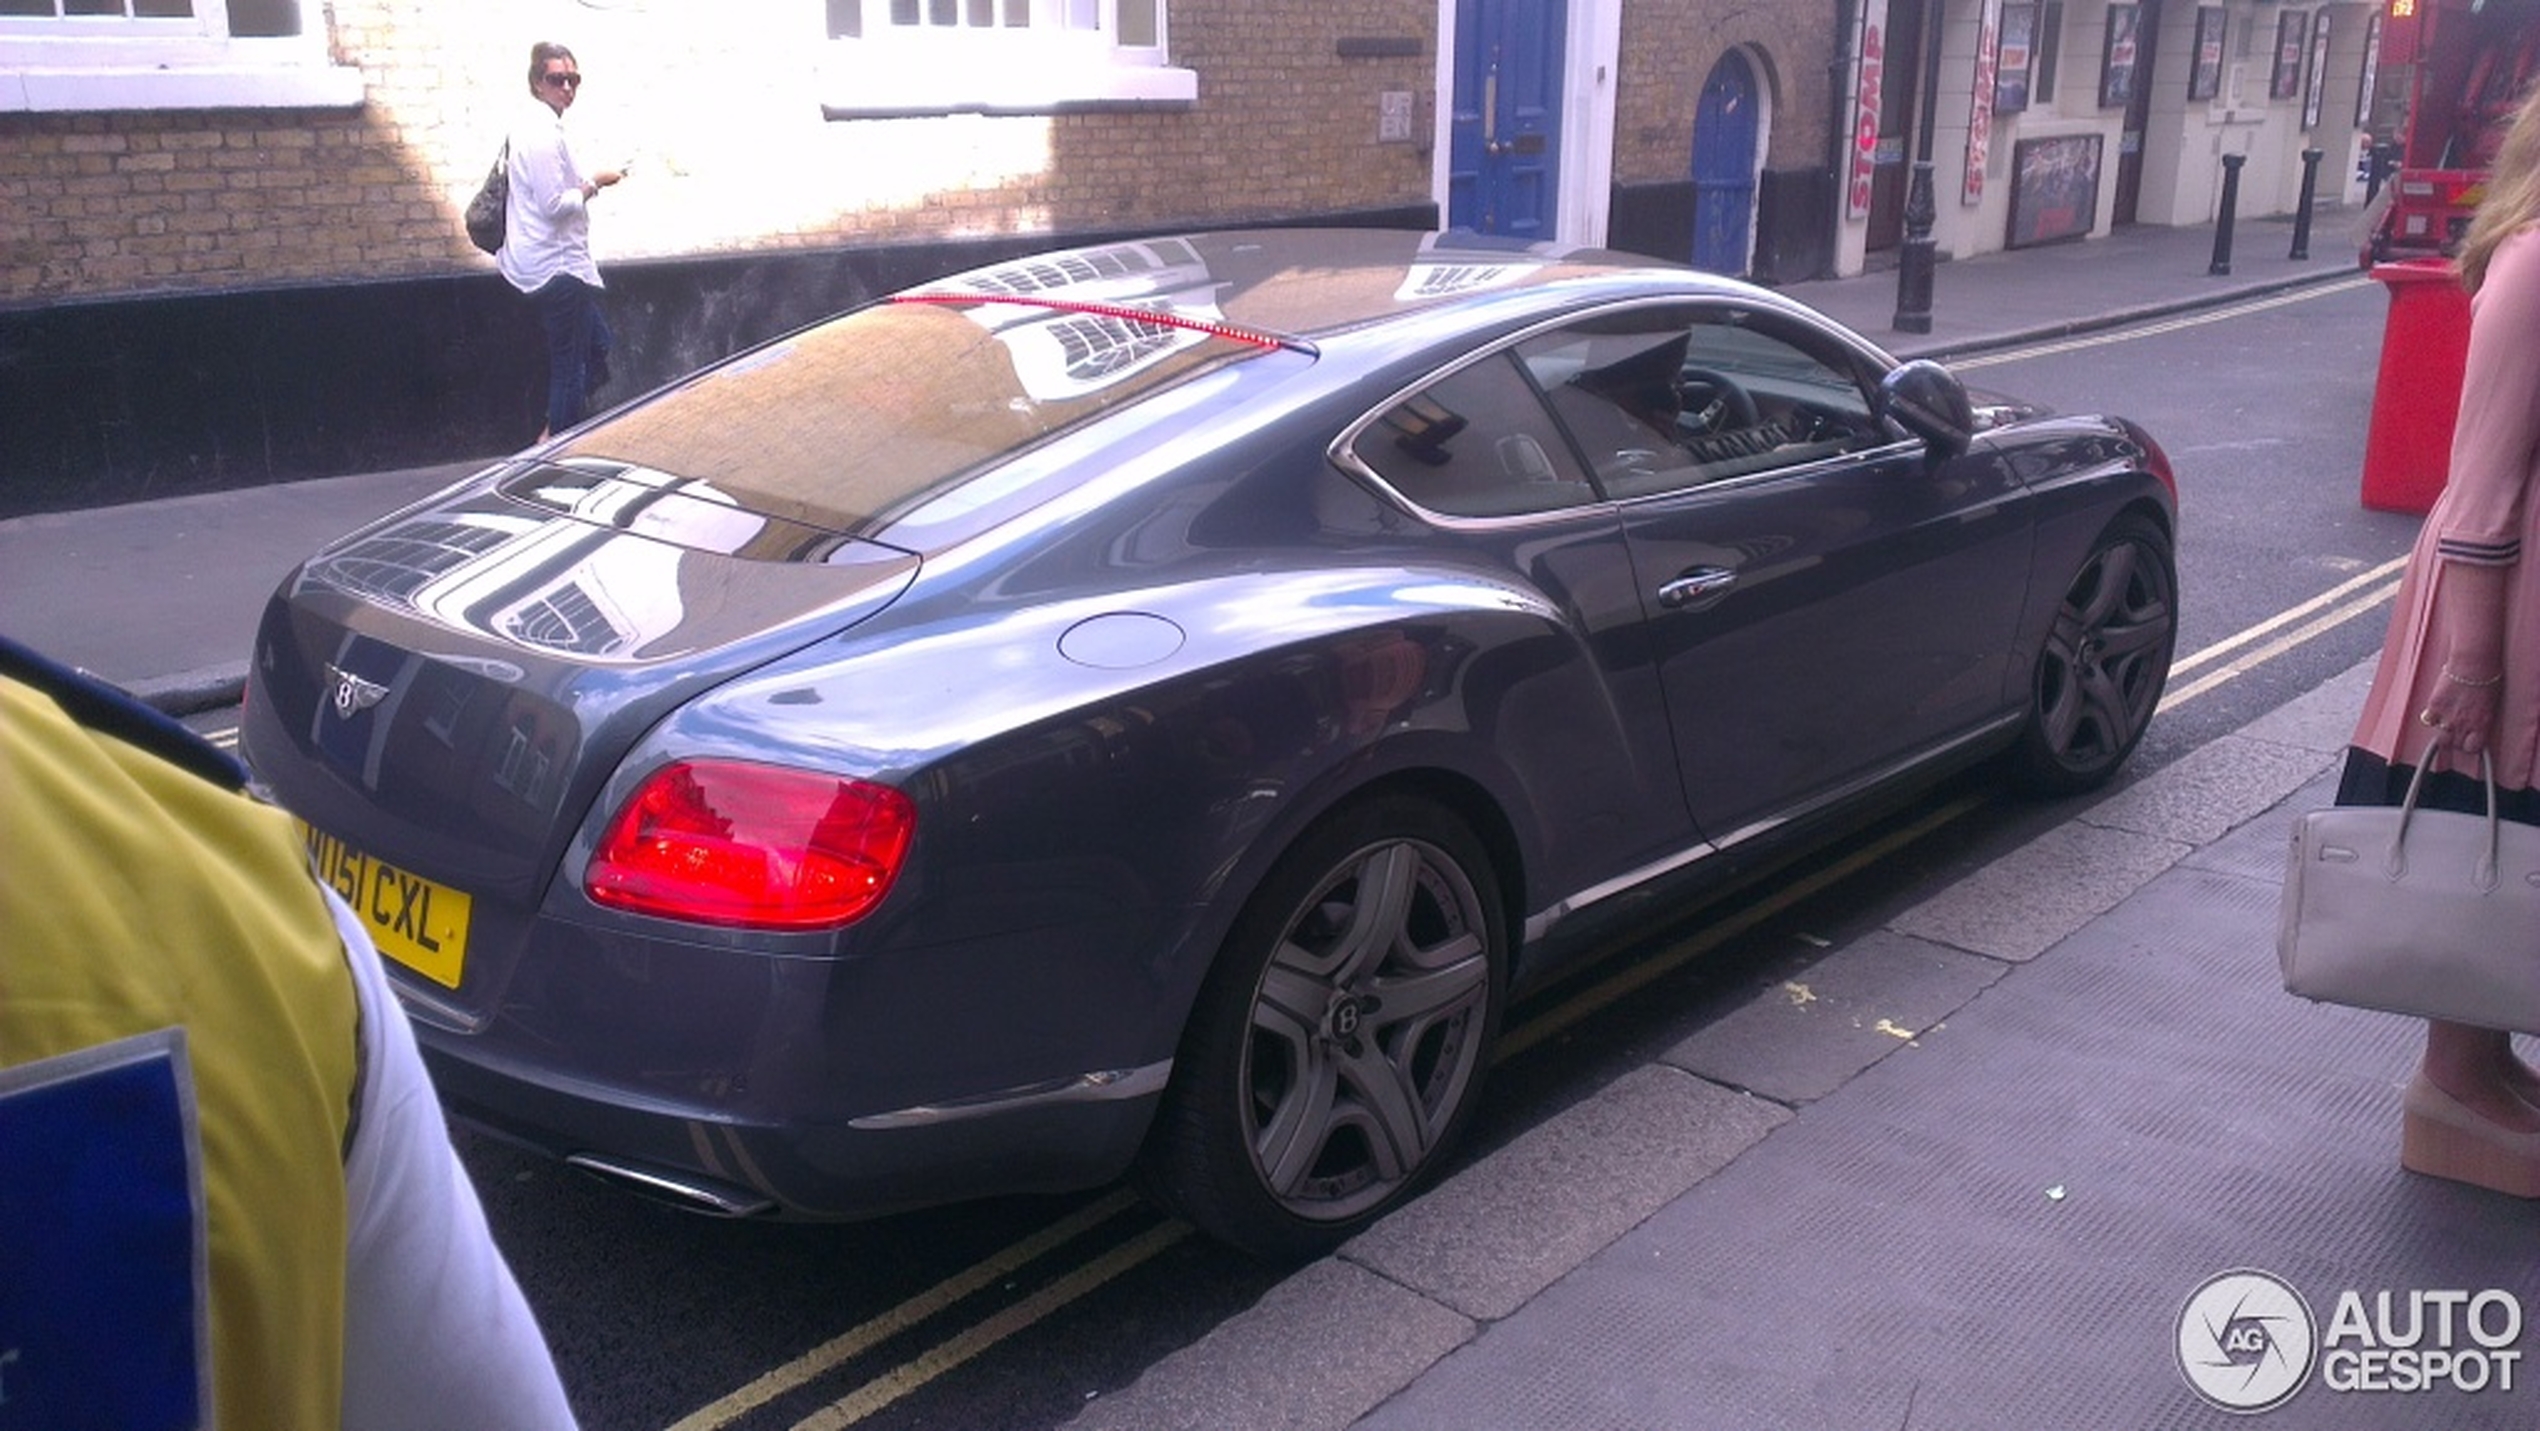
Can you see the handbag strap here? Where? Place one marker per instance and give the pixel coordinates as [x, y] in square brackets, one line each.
[2396, 861]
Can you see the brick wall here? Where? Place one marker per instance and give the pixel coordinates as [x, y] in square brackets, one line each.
[1668, 49]
[730, 151]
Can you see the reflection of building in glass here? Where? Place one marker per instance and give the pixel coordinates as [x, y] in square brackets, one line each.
[1115, 273]
[1448, 264]
[395, 564]
[566, 579]
[565, 618]
[1099, 338]
[1429, 279]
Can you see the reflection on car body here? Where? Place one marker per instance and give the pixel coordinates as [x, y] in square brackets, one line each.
[1151, 707]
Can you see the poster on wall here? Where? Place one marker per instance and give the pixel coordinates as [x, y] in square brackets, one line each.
[2372, 71]
[2286, 80]
[2054, 189]
[1866, 99]
[2318, 84]
[1980, 105]
[2013, 58]
[2116, 58]
[2204, 80]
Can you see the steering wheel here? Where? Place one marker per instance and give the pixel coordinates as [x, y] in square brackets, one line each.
[1710, 401]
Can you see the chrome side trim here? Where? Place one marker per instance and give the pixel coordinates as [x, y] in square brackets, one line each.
[1544, 921]
[1107, 1086]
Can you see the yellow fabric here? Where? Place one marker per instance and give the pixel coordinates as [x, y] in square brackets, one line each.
[133, 897]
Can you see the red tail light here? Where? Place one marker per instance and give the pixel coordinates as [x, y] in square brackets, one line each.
[753, 846]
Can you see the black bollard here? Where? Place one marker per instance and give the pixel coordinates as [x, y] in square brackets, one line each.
[2222, 224]
[2302, 210]
[1914, 259]
[1916, 256]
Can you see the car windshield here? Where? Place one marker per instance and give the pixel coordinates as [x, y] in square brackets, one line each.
[844, 425]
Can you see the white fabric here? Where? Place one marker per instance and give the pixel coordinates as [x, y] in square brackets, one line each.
[547, 229]
[436, 1332]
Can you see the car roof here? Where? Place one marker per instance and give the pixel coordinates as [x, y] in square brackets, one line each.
[1304, 286]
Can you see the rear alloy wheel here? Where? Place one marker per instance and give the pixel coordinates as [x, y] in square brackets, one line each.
[2106, 659]
[1340, 1045]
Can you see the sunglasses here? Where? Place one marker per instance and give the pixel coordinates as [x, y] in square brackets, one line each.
[561, 80]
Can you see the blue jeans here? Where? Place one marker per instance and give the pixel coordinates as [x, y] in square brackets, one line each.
[578, 343]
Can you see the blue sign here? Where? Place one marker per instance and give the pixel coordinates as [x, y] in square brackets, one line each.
[104, 1313]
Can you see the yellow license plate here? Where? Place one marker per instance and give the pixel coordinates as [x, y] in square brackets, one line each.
[415, 921]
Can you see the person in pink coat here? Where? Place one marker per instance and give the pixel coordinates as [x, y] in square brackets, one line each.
[2459, 677]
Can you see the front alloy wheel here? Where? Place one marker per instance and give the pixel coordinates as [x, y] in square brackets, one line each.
[2106, 659]
[1341, 1043]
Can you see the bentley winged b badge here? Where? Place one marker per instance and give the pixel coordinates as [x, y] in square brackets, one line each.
[353, 694]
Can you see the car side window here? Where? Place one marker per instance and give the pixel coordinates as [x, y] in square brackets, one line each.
[1475, 443]
[1659, 400]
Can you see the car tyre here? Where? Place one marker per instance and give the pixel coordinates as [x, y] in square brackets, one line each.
[1339, 1046]
[2106, 658]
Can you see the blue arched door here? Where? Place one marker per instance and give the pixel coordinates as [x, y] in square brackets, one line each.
[1727, 125]
[1505, 145]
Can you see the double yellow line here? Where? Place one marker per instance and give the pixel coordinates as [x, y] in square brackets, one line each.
[945, 1355]
[2283, 632]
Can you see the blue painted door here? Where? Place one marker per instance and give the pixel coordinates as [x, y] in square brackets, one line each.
[1505, 143]
[1726, 129]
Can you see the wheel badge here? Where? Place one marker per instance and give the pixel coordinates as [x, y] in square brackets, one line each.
[1345, 1019]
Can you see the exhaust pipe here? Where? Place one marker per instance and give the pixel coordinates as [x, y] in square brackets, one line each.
[681, 1190]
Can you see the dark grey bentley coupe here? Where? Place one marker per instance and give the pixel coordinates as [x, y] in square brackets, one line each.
[1151, 706]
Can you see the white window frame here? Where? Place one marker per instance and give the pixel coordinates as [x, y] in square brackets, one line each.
[1057, 61]
[106, 63]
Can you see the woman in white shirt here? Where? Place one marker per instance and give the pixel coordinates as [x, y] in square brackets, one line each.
[547, 238]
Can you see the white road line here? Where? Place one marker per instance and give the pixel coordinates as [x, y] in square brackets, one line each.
[2147, 330]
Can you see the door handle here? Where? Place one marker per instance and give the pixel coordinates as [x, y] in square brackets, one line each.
[1701, 587]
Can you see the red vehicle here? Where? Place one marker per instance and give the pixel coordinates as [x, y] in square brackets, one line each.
[2465, 64]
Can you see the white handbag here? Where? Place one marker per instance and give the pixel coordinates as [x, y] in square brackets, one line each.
[2425, 912]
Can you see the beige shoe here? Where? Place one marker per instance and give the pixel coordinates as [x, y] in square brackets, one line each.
[2441, 1137]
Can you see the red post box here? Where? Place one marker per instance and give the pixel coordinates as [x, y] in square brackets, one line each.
[2417, 396]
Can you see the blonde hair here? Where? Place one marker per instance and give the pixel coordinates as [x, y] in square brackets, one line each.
[2513, 193]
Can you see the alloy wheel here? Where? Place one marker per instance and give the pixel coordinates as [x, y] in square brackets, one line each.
[2105, 662]
[1366, 1030]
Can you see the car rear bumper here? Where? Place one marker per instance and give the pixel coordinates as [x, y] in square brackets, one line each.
[1042, 1140]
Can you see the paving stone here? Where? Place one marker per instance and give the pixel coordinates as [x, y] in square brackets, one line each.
[1801, 1038]
[1502, 1230]
[2208, 792]
[2023, 904]
[1319, 1349]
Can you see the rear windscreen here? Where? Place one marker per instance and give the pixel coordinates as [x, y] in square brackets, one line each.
[845, 425]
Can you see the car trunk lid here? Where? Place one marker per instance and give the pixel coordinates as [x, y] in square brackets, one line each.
[450, 687]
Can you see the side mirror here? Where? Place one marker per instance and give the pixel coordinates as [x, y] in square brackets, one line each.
[1928, 401]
